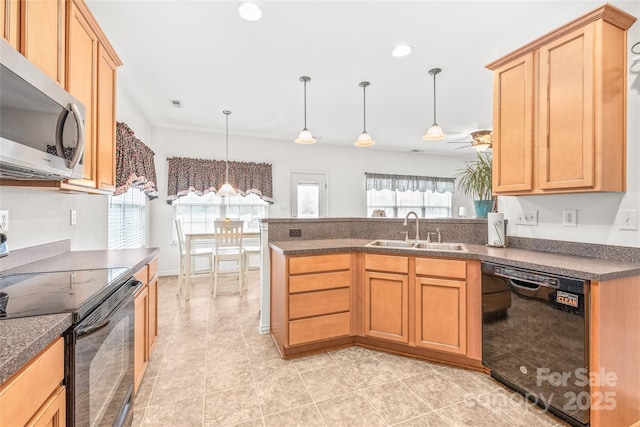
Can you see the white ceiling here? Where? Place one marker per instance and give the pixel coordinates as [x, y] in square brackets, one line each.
[204, 54]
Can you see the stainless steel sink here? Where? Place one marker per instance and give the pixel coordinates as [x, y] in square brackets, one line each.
[420, 245]
[456, 247]
[391, 243]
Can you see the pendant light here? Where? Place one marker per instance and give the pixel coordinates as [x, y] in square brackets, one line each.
[435, 132]
[305, 136]
[227, 189]
[364, 140]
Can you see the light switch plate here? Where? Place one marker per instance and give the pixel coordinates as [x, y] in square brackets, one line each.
[527, 217]
[570, 217]
[628, 219]
[4, 220]
[73, 217]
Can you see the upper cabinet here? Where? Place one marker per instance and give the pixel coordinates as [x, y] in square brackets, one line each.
[10, 21]
[43, 36]
[65, 41]
[559, 109]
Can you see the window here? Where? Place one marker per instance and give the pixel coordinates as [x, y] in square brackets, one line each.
[308, 195]
[127, 220]
[397, 204]
[198, 212]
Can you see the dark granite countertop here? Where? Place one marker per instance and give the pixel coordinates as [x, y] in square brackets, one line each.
[22, 339]
[567, 265]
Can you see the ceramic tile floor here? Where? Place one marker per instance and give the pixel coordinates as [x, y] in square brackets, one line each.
[211, 367]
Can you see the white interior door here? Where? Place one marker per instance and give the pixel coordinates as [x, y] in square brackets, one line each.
[308, 195]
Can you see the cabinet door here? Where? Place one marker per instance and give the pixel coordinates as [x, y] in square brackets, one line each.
[386, 306]
[153, 314]
[82, 75]
[10, 21]
[566, 111]
[441, 320]
[43, 43]
[513, 126]
[106, 121]
[140, 336]
[53, 413]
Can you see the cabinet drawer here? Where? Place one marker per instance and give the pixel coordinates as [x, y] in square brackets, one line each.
[441, 268]
[153, 268]
[142, 275]
[397, 264]
[319, 263]
[317, 303]
[37, 380]
[316, 282]
[319, 328]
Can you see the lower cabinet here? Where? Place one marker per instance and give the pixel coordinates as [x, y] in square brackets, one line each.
[386, 297]
[146, 320]
[34, 396]
[441, 305]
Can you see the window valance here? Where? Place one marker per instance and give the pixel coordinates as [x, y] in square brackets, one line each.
[134, 164]
[203, 176]
[383, 181]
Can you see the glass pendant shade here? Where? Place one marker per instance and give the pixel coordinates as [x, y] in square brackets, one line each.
[226, 189]
[434, 133]
[364, 140]
[305, 137]
[480, 147]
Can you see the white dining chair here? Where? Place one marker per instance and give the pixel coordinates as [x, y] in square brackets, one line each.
[248, 251]
[228, 249]
[195, 253]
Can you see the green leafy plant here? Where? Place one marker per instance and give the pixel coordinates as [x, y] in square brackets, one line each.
[475, 178]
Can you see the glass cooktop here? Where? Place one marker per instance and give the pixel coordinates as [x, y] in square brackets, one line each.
[77, 292]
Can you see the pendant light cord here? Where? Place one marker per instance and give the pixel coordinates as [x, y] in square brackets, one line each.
[434, 98]
[226, 156]
[364, 108]
[305, 104]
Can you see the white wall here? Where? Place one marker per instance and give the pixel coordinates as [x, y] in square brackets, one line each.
[43, 216]
[598, 214]
[345, 167]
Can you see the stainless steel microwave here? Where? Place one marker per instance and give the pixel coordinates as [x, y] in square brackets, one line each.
[41, 124]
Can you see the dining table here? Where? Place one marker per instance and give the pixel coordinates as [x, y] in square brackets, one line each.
[192, 238]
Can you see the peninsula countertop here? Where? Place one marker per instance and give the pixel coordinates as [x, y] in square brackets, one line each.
[23, 338]
[587, 268]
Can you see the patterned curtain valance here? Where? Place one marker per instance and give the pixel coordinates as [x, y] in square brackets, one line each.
[134, 164]
[383, 181]
[204, 176]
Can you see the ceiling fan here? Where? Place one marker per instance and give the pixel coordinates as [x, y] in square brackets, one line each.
[480, 140]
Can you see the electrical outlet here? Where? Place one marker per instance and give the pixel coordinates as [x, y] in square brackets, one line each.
[295, 232]
[4, 220]
[570, 217]
[527, 217]
[628, 219]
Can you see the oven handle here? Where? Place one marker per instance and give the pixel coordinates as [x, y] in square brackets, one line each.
[83, 332]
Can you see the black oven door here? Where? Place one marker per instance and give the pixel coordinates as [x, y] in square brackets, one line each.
[100, 358]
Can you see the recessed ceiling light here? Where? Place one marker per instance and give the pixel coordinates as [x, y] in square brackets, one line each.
[402, 50]
[249, 11]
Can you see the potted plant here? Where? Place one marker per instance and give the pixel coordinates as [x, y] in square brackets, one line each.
[475, 181]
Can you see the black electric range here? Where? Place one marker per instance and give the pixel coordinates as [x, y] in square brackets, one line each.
[76, 292]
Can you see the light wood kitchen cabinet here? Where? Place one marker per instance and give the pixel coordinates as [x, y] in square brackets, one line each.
[43, 39]
[311, 300]
[10, 22]
[146, 320]
[40, 380]
[386, 297]
[560, 109]
[441, 305]
[88, 71]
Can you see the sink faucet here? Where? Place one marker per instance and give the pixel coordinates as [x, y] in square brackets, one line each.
[429, 233]
[417, 223]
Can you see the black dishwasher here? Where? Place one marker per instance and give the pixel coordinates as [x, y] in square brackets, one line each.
[534, 337]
